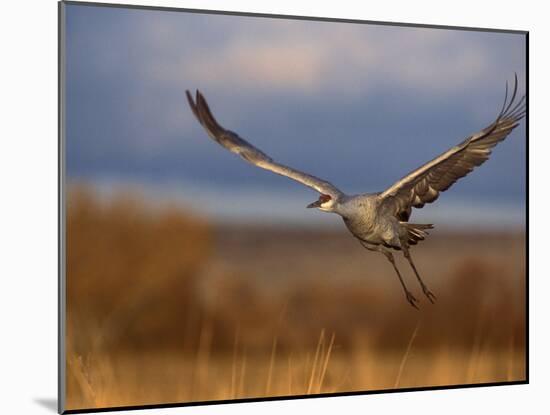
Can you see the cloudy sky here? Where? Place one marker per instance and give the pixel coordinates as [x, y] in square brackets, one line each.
[359, 105]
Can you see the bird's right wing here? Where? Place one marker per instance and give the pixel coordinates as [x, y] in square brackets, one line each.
[247, 151]
[424, 184]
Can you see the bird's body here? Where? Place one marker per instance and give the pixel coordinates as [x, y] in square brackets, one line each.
[365, 218]
[380, 221]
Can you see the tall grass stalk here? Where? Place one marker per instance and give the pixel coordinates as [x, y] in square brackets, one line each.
[315, 360]
[271, 363]
[406, 356]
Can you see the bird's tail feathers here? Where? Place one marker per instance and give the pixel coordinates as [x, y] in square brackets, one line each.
[416, 231]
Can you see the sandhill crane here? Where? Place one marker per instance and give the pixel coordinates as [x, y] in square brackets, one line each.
[380, 221]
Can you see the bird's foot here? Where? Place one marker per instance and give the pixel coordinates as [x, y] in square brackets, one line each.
[411, 299]
[431, 296]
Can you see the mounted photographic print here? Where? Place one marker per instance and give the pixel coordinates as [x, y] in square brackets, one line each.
[257, 207]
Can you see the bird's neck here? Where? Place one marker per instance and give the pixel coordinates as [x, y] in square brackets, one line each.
[337, 207]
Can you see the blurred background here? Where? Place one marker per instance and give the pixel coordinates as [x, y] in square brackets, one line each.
[194, 276]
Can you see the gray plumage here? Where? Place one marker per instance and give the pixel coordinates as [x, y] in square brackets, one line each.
[380, 221]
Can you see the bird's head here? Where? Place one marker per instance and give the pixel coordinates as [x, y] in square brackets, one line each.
[325, 203]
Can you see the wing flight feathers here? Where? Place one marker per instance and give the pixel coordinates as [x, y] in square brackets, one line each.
[424, 184]
[243, 148]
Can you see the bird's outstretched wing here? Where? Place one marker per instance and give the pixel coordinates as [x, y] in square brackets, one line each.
[424, 184]
[247, 151]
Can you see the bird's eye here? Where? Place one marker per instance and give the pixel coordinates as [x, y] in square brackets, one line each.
[324, 198]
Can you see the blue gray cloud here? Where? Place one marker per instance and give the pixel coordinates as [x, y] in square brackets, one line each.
[357, 104]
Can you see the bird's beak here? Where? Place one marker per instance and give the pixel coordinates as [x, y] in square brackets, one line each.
[315, 204]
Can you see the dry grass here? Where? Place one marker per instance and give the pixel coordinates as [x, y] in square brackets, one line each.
[137, 378]
[163, 307]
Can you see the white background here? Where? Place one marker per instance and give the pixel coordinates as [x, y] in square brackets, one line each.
[28, 231]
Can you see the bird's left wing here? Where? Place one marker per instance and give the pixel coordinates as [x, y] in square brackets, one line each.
[424, 184]
[247, 151]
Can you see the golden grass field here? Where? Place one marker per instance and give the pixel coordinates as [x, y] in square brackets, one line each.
[164, 306]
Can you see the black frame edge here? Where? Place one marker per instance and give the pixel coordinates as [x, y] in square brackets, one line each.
[527, 139]
[291, 17]
[61, 281]
[293, 397]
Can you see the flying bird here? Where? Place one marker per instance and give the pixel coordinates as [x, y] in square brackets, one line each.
[380, 221]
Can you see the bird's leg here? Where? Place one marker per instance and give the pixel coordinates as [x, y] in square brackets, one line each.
[410, 298]
[425, 289]
[408, 295]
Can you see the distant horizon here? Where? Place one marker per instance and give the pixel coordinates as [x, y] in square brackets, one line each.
[288, 207]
